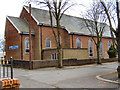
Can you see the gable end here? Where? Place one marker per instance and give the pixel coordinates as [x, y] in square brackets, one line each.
[13, 24]
[32, 15]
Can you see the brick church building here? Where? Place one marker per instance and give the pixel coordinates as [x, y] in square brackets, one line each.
[77, 42]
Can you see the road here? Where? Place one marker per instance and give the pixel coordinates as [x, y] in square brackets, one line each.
[68, 77]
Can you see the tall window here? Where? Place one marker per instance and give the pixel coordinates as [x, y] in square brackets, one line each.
[90, 48]
[78, 43]
[27, 45]
[47, 43]
[109, 44]
[101, 49]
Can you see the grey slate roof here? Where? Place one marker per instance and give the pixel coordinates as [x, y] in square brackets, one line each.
[72, 24]
[20, 24]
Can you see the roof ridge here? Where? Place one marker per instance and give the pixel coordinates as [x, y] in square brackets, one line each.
[64, 14]
[47, 11]
[15, 17]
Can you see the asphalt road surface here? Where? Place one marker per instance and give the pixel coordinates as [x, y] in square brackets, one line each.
[68, 77]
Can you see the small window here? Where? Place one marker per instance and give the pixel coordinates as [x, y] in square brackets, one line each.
[109, 44]
[54, 56]
[47, 43]
[78, 43]
[101, 49]
[27, 45]
[90, 48]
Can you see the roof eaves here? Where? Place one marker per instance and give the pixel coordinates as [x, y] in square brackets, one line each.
[13, 24]
[47, 25]
[88, 35]
[32, 16]
[25, 33]
[67, 29]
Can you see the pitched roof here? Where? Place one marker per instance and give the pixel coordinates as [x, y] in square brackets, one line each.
[20, 24]
[72, 24]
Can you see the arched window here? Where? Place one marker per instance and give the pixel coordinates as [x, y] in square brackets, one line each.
[47, 43]
[90, 48]
[27, 45]
[78, 43]
[101, 49]
[109, 44]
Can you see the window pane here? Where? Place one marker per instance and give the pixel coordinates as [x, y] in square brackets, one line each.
[109, 44]
[78, 43]
[90, 48]
[56, 56]
[47, 43]
[101, 49]
[27, 44]
[52, 56]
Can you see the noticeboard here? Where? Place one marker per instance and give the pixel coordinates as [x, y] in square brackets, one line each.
[13, 47]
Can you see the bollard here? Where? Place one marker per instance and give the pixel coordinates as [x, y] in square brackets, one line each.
[11, 67]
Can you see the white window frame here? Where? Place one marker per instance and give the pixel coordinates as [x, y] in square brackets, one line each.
[46, 43]
[101, 49]
[91, 42]
[26, 48]
[78, 41]
[109, 44]
[54, 56]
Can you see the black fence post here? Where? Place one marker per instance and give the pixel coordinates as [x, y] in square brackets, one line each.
[7, 68]
[0, 66]
[11, 68]
[3, 68]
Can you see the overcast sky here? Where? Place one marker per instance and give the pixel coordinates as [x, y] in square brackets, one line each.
[9, 8]
[14, 7]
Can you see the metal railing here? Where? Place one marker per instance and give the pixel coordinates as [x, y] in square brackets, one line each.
[6, 68]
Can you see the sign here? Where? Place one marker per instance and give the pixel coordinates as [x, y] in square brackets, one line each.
[13, 47]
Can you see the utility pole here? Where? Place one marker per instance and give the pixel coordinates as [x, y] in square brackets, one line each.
[30, 46]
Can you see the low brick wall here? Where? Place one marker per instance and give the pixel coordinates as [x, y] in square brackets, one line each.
[68, 53]
[21, 64]
[53, 63]
[44, 63]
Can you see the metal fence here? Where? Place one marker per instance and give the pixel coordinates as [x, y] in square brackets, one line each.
[6, 68]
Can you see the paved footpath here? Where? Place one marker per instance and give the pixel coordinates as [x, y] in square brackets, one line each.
[68, 77]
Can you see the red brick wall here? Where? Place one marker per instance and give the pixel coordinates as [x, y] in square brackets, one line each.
[47, 33]
[36, 28]
[25, 55]
[85, 44]
[12, 38]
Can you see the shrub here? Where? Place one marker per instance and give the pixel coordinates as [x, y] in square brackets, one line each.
[112, 52]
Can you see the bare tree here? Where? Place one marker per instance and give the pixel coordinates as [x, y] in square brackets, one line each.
[116, 30]
[112, 17]
[2, 45]
[92, 20]
[56, 10]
